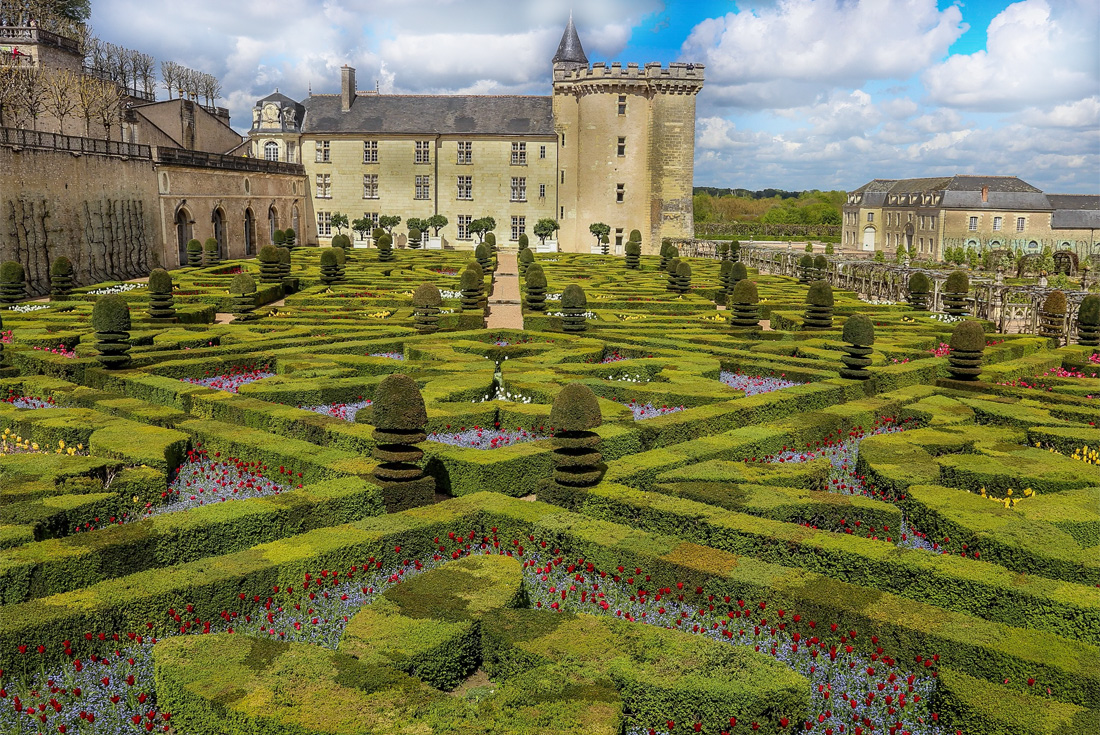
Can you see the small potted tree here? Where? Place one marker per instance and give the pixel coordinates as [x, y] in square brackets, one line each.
[599, 230]
[544, 230]
[436, 222]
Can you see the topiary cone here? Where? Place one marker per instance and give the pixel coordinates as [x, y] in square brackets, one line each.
[194, 253]
[426, 303]
[535, 281]
[859, 333]
[577, 459]
[111, 321]
[471, 284]
[633, 254]
[526, 258]
[967, 345]
[920, 288]
[1052, 317]
[1088, 321]
[61, 278]
[955, 290]
[400, 421]
[745, 314]
[161, 301]
[819, 306]
[484, 255]
[574, 304]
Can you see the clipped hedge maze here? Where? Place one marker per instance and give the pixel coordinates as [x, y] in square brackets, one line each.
[777, 538]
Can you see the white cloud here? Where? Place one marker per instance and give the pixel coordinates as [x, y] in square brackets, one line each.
[1083, 114]
[1034, 54]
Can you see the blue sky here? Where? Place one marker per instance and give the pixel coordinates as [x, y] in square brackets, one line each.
[799, 93]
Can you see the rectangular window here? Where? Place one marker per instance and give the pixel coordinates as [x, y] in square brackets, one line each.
[933, 225]
[618, 237]
[519, 154]
[620, 192]
[621, 149]
[1019, 224]
[542, 151]
[370, 151]
[519, 227]
[973, 223]
[370, 186]
[423, 152]
[562, 215]
[465, 187]
[324, 186]
[622, 104]
[563, 177]
[542, 191]
[322, 152]
[464, 221]
[997, 222]
[324, 224]
[423, 187]
[870, 216]
[519, 189]
[563, 140]
[465, 152]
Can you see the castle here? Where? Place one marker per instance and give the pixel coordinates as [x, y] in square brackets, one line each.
[611, 144]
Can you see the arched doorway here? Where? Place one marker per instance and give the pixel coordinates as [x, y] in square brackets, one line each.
[249, 233]
[868, 238]
[218, 220]
[184, 232]
[272, 222]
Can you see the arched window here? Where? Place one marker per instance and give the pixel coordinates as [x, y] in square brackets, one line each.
[218, 220]
[294, 219]
[271, 151]
[272, 222]
[1033, 245]
[183, 233]
[249, 233]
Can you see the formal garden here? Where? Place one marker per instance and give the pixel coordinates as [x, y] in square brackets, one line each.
[312, 492]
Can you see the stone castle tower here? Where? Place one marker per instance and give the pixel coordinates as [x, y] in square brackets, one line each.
[626, 146]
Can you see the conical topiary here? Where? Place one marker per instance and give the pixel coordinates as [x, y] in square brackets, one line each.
[681, 280]
[605, 245]
[471, 284]
[955, 289]
[484, 256]
[633, 254]
[269, 264]
[735, 251]
[725, 285]
[819, 306]
[243, 290]
[194, 253]
[332, 271]
[291, 238]
[967, 345]
[859, 333]
[13, 282]
[1088, 321]
[526, 258]
[400, 423]
[211, 254]
[574, 304]
[920, 290]
[111, 322]
[284, 263]
[821, 267]
[743, 305]
[806, 269]
[723, 251]
[385, 247]
[161, 302]
[577, 459]
[536, 288]
[524, 242]
[1052, 317]
[426, 304]
[61, 278]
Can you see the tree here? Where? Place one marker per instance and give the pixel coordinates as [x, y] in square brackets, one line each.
[415, 223]
[482, 225]
[437, 222]
[545, 228]
[599, 230]
[169, 76]
[60, 97]
[108, 105]
[31, 93]
[339, 221]
[362, 226]
[87, 97]
[388, 221]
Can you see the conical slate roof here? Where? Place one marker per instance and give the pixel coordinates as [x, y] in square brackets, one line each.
[569, 49]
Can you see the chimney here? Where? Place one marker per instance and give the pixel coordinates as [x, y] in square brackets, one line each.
[985, 193]
[347, 87]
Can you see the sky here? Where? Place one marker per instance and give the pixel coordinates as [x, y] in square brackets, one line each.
[799, 94]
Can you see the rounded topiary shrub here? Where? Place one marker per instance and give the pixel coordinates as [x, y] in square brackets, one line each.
[574, 415]
[385, 248]
[400, 423]
[243, 290]
[341, 241]
[13, 282]
[920, 290]
[859, 334]
[415, 237]
[490, 241]
[605, 245]
[471, 284]
[735, 251]
[524, 242]
[743, 305]
[484, 255]
[806, 269]
[1088, 321]
[269, 264]
[535, 280]
[725, 283]
[194, 253]
[633, 250]
[211, 252]
[681, 279]
[635, 236]
[668, 251]
[279, 238]
[819, 306]
[111, 321]
[955, 290]
[967, 345]
[332, 267]
[574, 305]
[821, 267]
[61, 278]
[426, 304]
[1052, 317]
[284, 263]
[526, 258]
[161, 301]
[291, 238]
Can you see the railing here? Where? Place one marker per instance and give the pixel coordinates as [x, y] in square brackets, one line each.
[183, 157]
[29, 34]
[134, 92]
[20, 138]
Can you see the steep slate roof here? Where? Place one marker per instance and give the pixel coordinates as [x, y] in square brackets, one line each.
[960, 191]
[1075, 211]
[431, 114]
[277, 97]
[569, 48]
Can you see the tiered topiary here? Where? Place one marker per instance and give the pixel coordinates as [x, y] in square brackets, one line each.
[955, 290]
[211, 254]
[670, 271]
[859, 333]
[284, 263]
[341, 241]
[1052, 317]
[920, 291]
[161, 302]
[291, 238]
[279, 238]
[525, 259]
[426, 304]
[111, 322]
[635, 236]
[723, 250]
[13, 282]
[574, 304]
[735, 251]
[61, 278]
[269, 264]
[1088, 321]
[243, 290]
[536, 288]
[490, 241]
[376, 235]
[725, 283]
[414, 238]
[385, 247]
[681, 280]
[633, 255]
[819, 306]
[471, 284]
[332, 270]
[524, 241]
[194, 253]
[743, 305]
[821, 267]
[400, 423]
[484, 255]
[740, 273]
[577, 459]
[806, 269]
[1, 341]
[967, 345]
[668, 251]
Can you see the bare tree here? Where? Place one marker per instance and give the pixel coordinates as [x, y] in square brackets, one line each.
[61, 98]
[87, 99]
[169, 76]
[8, 92]
[108, 106]
[144, 64]
[31, 94]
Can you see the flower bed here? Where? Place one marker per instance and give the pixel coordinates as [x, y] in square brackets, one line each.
[755, 384]
[21, 401]
[232, 381]
[643, 411]
[388, 355]
[479, 438]
[345, 411]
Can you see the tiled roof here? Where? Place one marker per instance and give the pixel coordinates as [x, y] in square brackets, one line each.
[431, 114]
